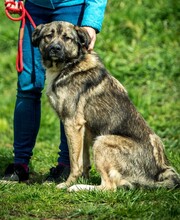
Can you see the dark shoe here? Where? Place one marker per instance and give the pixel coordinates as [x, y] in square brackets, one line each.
[15, 173]
[58, 174]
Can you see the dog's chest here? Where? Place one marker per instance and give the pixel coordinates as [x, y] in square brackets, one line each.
[56, 94]
[50, 78]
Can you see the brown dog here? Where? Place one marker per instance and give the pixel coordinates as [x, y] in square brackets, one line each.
[95, 109]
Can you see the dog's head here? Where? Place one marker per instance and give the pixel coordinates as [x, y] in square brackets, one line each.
[60, 42]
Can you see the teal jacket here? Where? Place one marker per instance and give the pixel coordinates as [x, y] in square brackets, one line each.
[93, 13]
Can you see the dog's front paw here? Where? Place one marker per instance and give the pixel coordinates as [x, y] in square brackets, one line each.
[73, 188]
[80, 187]
[62, 186]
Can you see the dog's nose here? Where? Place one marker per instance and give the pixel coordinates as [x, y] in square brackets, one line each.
[55, 48]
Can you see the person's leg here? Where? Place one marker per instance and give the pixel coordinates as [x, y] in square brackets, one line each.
[28, 106]
[26, 125]
[30, 84]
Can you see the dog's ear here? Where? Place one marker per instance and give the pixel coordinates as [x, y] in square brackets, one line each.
[83, 35]
[36, 35]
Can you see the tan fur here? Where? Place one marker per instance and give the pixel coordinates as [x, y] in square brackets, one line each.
[95, 110]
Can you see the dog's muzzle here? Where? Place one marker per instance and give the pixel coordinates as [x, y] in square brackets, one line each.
[55, 52]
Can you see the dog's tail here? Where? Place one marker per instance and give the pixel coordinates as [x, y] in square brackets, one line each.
[166, 177]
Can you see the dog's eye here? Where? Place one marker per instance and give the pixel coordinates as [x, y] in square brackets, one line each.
[66, 38]
[48, 37]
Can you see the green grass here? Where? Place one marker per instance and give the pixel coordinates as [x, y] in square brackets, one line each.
[46, 202]
[139, 45]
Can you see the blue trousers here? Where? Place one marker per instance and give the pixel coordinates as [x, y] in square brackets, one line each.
[31, 81]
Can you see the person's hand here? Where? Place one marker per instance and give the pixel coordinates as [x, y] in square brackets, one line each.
[13, 6]
[92, 34]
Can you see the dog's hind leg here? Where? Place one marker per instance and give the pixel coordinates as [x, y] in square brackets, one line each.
[108, 162]
[105, 152]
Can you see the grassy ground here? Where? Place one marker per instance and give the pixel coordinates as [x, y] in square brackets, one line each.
[139, 44]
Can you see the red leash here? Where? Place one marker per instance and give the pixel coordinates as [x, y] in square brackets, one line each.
[23, 14]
